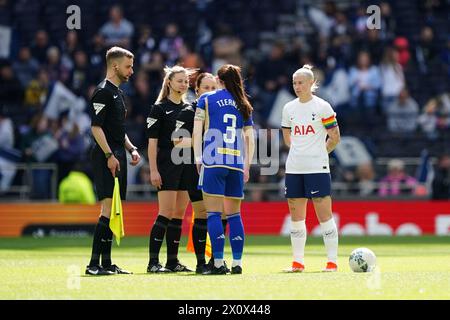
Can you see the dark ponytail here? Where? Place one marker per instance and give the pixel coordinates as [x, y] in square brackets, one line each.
[231, 77]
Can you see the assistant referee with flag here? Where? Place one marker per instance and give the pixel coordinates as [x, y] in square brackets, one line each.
[108, 156]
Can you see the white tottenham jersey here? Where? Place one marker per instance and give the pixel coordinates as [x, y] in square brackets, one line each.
[308, 123]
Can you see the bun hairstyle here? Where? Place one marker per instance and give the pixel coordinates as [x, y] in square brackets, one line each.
[306, 70]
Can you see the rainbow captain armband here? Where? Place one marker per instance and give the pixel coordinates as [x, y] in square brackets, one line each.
[330, 122]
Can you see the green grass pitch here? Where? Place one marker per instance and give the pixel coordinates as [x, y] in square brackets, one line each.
[53, 268]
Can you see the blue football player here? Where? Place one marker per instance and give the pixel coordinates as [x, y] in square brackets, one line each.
[223, 156]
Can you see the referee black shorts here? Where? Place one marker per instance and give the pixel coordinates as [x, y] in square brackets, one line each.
[103, 179]
[195, 194]
[177, 177]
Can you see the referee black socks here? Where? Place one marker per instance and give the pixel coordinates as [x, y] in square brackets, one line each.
[199, 239]
[106, 247]
[100, 237]
[173, 237]
[156, 238]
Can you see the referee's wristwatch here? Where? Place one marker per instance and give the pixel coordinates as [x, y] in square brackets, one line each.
[108, 155]
[132, 149]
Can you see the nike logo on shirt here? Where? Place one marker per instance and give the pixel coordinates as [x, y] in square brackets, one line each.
[167, 112]
[115, 96]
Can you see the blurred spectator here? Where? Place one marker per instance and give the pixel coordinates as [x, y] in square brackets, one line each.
[359, 180]
[76, 188]
[146, 44]
[227, 48]
[11, 92]
[365, 82]
[401, 45]
[40, 46]
[79, 77]
[441, 181]
[71, 146]
[339, 47]
[396, 182]
[68, 49]
[365, 177]
[388, 22]
[402, 114]
[171, 44]
[360, 22]
[426, 50]
[334, 87]
[271, 76]
[25, 67]
[428, 119]
[53, 64]
[7, 160]
[392, 77]
[323, 20]
[141, 100]
[118, 30]
[372, 44]
[435, 116]
[38, 145]
[96, 54]
[37, 90]
[189, 58]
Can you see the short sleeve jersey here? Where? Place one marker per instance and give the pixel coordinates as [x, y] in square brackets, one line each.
[223, 138]
[108, 111]
[161, 122]
[308, 123]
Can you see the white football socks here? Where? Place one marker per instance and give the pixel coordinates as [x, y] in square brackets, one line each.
[330, 239]
[298, 240]
[236, 263]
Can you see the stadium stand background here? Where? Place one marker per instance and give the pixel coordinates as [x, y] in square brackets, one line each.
[270, 40]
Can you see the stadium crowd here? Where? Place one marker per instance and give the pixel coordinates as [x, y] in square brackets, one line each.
[388, 86]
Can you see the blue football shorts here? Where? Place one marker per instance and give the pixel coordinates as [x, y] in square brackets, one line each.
[225, 182]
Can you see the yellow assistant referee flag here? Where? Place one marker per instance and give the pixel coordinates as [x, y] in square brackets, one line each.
[116, 219]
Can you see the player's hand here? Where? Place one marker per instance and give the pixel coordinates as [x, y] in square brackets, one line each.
[246, 175]
[113, 165]
[155, 179]
[199, 167]
[135, 158]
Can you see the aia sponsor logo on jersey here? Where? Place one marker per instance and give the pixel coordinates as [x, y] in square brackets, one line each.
[301, 130]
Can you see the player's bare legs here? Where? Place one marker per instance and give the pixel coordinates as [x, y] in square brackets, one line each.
[106, 207]
[323, 210]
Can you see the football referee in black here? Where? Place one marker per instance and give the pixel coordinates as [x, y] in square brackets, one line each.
[108, 156]
[171, 180]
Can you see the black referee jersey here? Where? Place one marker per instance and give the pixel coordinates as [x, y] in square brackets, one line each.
[108, 111]
[161, 123]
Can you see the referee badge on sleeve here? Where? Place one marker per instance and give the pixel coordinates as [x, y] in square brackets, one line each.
[150, 122]
[98, 107]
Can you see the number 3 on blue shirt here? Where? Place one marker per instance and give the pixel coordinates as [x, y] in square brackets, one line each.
[230, 135]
